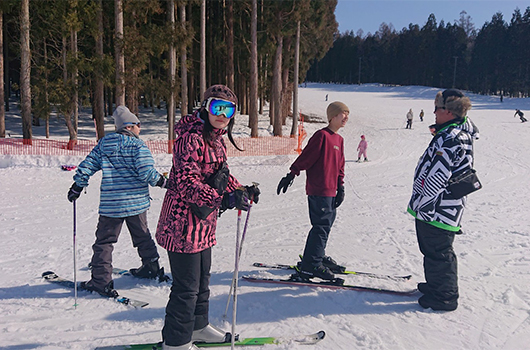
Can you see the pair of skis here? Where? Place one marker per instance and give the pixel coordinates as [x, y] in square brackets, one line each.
[345, 272]
[52, 277]
[309, 339]
[337, 283]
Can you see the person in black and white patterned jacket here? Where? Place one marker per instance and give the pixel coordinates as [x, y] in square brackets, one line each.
[438, 213]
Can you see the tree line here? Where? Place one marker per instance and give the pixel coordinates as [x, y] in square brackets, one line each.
[58, 55]
[492, 60]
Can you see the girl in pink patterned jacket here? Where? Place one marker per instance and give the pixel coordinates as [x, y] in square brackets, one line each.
[199, 185]
[363, 145]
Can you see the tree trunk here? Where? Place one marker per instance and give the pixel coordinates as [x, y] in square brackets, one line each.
[203, 50]
[7, 78]
[172, 69]
[230, 44]
[46, 95]
[253, 98]
[67, 108]
[25, 72]
[98, 112]
[120, 59]
[276, 103]
[183, 66]
[2, 93]
[294, 128]
[286, 97]
[75, 92]
[132, 88]
[131, 84]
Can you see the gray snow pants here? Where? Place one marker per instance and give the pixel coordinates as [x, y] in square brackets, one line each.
[107, 234]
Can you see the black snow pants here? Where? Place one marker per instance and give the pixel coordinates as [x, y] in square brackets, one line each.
[439, 260]
[322, 214]
[187, 308]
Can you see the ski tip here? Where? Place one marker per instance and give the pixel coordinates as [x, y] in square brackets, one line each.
[321, 335]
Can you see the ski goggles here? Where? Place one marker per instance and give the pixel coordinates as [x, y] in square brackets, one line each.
[221, 107]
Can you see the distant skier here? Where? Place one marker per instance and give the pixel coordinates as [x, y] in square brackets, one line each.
[326, 97]
[410, 115]
[421, 115]
[521, 115]
[363, 145]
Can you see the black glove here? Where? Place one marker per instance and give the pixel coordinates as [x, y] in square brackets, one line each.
[253, 192]
[237, 199]
[162, 182]
[219, 180]
[339, 198]
[285, 182]
[74, 192]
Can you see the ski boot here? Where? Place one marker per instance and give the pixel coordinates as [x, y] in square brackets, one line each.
[211, 334]
[428, 301]
[188, 346]
[321, 272]
[330, 263]
[424, 288]
[107, 291]
[150, 269]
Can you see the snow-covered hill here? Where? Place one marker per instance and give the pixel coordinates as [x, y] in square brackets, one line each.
[372, 233]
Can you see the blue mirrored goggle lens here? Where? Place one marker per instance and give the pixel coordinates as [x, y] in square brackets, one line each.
[221, 107]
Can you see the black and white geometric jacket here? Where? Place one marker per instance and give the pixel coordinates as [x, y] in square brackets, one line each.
[449, 154]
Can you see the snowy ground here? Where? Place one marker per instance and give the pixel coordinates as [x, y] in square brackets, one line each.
[372, 233]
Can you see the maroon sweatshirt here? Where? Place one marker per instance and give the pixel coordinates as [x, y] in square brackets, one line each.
[323, 161]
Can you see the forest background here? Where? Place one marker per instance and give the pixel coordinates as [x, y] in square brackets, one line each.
[59, 55]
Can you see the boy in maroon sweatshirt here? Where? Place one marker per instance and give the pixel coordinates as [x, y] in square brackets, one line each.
[323, 161]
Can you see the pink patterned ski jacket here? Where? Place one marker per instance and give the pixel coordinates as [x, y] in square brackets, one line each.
[179, 229]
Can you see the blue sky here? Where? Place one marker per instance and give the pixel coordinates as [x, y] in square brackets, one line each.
[369, 14]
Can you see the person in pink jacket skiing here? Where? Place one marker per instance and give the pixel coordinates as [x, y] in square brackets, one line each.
[363, 145]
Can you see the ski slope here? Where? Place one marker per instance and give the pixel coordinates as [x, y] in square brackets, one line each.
[372, 233]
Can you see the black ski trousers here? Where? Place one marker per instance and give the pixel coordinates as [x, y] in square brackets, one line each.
[107, 234]
[322, 214]
[439, 260]
[187, 308]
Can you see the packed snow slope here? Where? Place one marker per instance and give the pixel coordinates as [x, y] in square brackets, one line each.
[372, 233]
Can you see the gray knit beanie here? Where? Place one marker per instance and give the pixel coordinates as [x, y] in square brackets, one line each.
[123, 117]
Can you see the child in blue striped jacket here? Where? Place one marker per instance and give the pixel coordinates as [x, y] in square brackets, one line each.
[128, 170]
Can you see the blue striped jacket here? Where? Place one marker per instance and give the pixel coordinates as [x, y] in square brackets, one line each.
[449, 154]
[128, 170]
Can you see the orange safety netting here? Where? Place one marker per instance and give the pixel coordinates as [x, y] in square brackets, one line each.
[261, 146]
